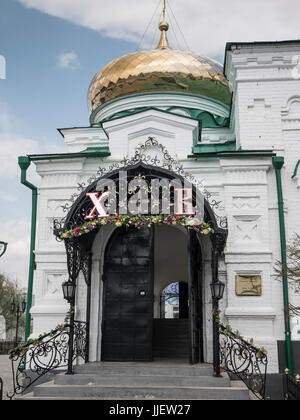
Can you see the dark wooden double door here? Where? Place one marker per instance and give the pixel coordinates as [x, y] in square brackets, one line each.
[127, 325]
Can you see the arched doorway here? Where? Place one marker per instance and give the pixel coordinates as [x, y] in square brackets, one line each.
[81, 253]
[135, 323]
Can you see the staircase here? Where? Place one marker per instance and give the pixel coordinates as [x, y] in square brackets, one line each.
[163, 379]
[170, 336]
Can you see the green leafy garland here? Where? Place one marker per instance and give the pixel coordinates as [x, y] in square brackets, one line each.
[139, 221]
[227, 330]
[21, 350]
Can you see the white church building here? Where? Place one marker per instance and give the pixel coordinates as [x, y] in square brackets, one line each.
[233, 134]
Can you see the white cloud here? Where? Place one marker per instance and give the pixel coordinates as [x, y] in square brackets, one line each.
[206, 25]
[68, 60]
[12, 146]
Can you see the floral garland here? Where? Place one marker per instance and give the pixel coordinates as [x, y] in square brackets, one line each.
[260, 352]
[21, 350]
[139, 221]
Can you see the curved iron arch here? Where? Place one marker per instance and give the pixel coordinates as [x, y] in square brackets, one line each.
[79, 248]
[83, 204]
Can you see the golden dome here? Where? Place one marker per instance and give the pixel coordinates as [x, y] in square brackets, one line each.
[161, 69]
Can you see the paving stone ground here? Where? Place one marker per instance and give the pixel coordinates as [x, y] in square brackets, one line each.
[6, 375]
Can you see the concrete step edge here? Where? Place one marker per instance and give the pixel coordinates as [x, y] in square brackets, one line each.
[215, 388]
[150, 365]
[115, 375]
[32, 398]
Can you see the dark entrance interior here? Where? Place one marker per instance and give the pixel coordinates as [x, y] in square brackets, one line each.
[129, 330]
[171, 330]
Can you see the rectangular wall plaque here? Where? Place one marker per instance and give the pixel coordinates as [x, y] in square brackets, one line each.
[248, 285]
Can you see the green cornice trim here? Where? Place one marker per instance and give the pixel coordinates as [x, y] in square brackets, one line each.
[229, 146]
[230, 154]
[139, 111]
[207, 119]
[90, 152]
[95, 112]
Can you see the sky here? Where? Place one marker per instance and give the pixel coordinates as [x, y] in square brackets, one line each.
[51, 49]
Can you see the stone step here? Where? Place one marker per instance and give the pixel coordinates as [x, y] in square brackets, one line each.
[141, 380]
[51, 390]
[163, 379]
[151, 368]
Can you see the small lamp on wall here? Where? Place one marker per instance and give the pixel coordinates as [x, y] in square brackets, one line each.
[69, 288]
[217, 290]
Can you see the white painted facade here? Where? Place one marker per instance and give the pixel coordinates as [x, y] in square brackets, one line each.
[265, 115]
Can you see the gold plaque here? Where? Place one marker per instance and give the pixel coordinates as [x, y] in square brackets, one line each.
[248, 285]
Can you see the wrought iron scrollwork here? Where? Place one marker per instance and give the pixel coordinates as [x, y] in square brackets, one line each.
[86, 267]
[80, 340]
[245, 361]
[163, 161]
[32, 361]
[75, 257]
[218, 240]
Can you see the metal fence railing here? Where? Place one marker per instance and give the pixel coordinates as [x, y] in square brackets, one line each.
[48, 352]
[243, 360]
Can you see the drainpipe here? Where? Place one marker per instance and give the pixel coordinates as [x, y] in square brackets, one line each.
[278, 162]
[24, 163]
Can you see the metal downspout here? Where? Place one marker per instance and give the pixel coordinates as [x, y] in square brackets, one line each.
[278, 162]
[24, 163]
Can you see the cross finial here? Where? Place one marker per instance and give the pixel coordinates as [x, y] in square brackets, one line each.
[164, 10]
[163, 26]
